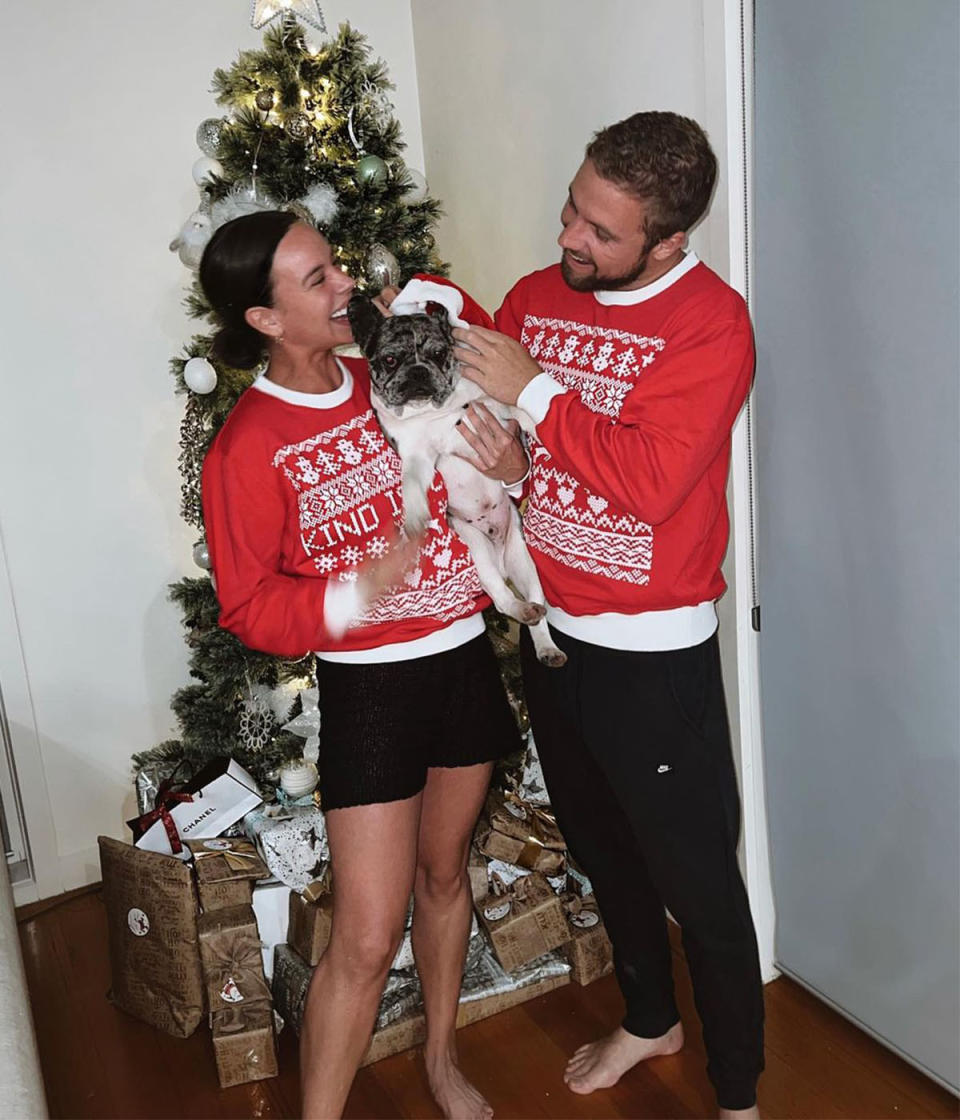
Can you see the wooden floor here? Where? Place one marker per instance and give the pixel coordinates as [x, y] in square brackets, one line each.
[98, 1062]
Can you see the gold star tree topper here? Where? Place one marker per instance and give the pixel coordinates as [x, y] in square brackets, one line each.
[309, 10]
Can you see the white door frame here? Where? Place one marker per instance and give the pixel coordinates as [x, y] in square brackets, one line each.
[738, 72]
[28, 776]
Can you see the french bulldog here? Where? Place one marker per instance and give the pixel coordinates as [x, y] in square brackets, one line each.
[419, 395]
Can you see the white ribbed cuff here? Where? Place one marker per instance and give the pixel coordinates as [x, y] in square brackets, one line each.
[537, 395]
[341, 605]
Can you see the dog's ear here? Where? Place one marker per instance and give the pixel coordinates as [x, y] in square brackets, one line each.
[365, 321]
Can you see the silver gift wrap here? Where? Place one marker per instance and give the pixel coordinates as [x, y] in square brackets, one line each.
[292, 842]
[486, 977]
[147, 781]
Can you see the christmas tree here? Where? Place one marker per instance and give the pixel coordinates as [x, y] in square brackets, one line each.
[309, 128]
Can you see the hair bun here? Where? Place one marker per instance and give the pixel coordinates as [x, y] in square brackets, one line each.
[240, 347]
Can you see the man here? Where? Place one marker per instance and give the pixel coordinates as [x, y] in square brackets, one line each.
[634, 360]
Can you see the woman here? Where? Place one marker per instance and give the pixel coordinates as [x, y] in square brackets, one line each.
[301, 502]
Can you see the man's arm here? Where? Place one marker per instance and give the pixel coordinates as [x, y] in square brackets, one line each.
[673, 424]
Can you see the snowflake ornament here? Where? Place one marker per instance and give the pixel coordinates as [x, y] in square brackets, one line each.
[256, 720]
[266, 11]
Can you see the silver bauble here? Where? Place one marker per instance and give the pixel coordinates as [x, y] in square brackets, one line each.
[298, 126]
[381, 266]
[419, 189]
[206, 167]
[264, 99]
[200, 376]
[201, 555]
[371, 169]
[209, 135]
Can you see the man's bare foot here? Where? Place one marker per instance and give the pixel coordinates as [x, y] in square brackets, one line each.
[455, 1096]
[598, 1065]
[739, 1113]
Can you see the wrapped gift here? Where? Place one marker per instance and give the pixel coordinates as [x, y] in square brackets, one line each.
[508, 814]
[226, 869]
[508, 872]
[271, 904]
[244, 1044]
[309, 926]
[149, 778]
[589, 950]
[533, 789]
[152, 926]
[293, 843]
[577, 882]
[230, 955]
[220, 794]
[477, 871]
[523, 920]
[529, 855]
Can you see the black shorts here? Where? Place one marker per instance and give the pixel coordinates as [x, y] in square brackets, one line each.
[384, 725]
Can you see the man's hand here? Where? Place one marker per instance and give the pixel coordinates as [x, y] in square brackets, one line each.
[498, 452]
[496, 362]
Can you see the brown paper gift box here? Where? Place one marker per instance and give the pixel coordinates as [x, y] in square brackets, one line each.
[477, 871]
[243, 1044]
[309, 930]
[231, 957]
[589, 951]
[225, 871]
[523, 921]
[152, 927]
[497, 845]
[513, 817]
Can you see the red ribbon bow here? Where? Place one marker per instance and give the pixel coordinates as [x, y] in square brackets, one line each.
[166, 797]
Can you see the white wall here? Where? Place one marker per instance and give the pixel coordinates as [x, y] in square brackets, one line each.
[102, 104]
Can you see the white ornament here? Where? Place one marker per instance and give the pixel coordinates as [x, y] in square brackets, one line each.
[201, 555]
[192, 239]
[307, 724]
[419, 191]
[321, 201]
[256, 720]
[200, 376]
[205, 167]
[264, 11]
[299, 778]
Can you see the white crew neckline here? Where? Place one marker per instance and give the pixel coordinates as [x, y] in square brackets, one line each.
[648, 291]
[332, 399]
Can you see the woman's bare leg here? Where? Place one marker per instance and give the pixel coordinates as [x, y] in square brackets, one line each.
[441, 925]
[373, 851]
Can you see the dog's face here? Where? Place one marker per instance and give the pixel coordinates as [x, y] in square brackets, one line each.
[411, 356]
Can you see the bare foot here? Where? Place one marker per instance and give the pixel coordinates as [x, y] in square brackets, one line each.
[739, 1113]
[598, 1065]
[456, 1097]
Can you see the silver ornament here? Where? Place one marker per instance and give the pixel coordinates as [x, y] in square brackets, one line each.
[371, 169]
[381, 266]
[264, 100]
[298, 126]
[201, 555]
[209, 135]
[200, 376]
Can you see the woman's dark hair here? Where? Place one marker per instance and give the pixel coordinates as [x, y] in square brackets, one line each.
[235, 275]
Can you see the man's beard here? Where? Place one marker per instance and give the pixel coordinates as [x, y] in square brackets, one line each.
[595, 282]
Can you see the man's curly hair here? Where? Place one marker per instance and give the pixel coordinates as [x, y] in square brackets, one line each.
[664, 159]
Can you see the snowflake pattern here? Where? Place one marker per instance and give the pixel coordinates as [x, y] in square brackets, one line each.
[564, 519]
[346, 482]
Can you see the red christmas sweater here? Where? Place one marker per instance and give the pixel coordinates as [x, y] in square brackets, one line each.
[627, 515]
[299, 489]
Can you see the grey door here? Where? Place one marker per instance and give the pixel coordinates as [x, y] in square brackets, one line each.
[856, 302]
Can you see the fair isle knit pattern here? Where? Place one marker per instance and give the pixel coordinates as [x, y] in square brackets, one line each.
[565, 520]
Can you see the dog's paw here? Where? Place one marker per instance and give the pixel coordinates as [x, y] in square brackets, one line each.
[552, 657]
[531, 613]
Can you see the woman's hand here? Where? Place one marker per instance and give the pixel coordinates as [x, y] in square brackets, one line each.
[497, 450]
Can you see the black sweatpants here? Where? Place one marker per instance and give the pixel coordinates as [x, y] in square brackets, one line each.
[636, 755]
